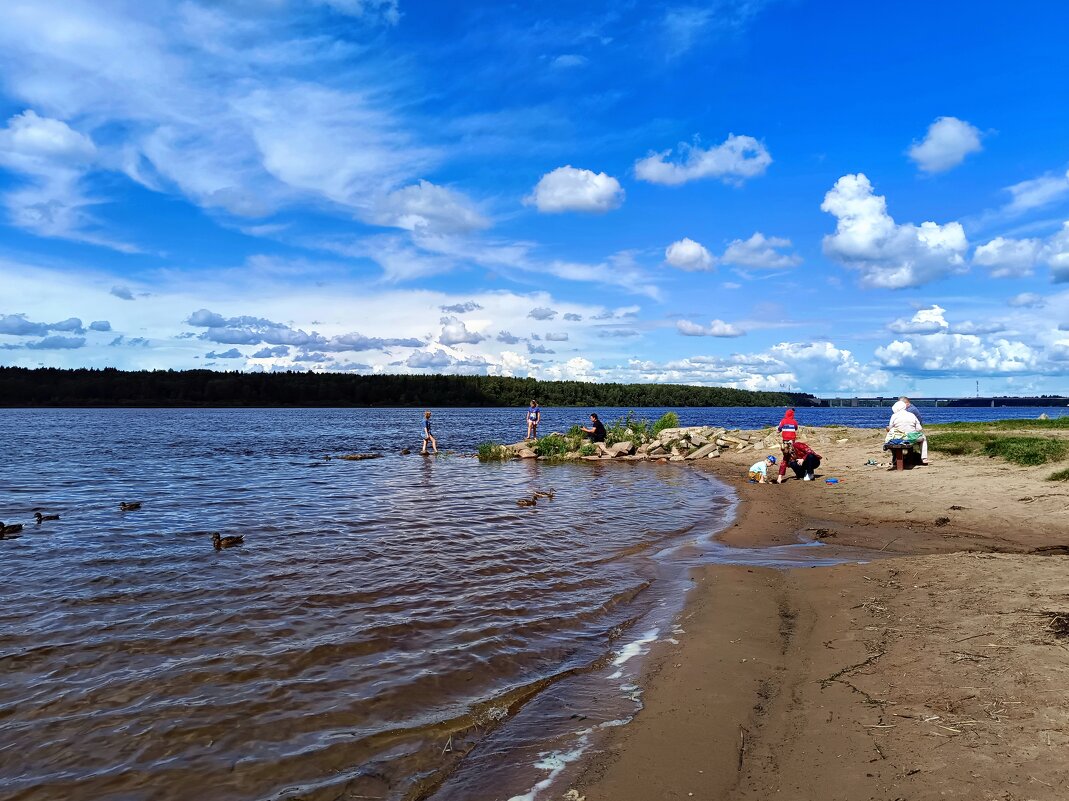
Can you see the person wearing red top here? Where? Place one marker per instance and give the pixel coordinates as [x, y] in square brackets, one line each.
[803, 460]
[788, 426]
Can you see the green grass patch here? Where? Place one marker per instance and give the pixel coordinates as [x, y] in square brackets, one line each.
[1060, 475]
[553, 446]
[1028, 451]
[628, 429]
[668, 420]
[588, 450]
[492, 452]
[1055, 424]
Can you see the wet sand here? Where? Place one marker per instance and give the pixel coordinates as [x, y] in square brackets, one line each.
[939, 672]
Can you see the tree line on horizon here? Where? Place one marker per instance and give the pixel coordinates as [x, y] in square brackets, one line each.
[21, 386]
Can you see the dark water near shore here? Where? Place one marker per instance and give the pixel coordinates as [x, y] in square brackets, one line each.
[384, 620]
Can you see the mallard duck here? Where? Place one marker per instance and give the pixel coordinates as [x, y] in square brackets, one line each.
[41, 518]
[545, 494]
[14, 528]
[129, 506]
[221, 542]
[527, 501]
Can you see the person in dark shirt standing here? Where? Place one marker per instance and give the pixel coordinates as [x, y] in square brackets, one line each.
[596, 430]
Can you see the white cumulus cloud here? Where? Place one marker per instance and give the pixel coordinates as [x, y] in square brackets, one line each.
[886, 254]
[947, 143]
[455, 332]
[956, 354]
[429, 207]
[761, 252]
[571, 189]
[733, 161]
[1008, 258]
[925, 321]
[717, 328]
[686, 254]
[1013, 258]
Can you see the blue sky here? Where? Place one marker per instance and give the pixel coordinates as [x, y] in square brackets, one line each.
[834, 197]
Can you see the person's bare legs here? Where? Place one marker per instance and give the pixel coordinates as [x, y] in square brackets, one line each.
[434, 444]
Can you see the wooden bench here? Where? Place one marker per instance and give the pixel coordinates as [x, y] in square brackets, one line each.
[903, 457]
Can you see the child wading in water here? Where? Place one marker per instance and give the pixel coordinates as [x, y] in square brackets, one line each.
[427, 435]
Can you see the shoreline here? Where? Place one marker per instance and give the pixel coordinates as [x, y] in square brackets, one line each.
[937, 672]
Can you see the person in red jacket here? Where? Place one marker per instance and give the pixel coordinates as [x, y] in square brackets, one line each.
[788, 426]
[803, 460]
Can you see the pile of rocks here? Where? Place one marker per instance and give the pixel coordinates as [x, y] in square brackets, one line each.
[674, 445]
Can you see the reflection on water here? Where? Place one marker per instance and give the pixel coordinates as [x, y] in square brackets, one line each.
[382, 618]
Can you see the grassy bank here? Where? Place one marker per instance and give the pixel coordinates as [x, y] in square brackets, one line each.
[1028, 451]
[1055, 424]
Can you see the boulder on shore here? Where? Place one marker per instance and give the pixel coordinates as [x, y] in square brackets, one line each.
[703, 451]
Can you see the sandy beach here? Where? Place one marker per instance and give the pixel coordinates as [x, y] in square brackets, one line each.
[938, 672]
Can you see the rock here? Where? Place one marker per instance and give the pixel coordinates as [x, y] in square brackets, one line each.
[698, 439]
[623, 448]
[703, 451]
[526, 453]
[604, 450]
[405, 451]
[655, 450]
[1043, 416]
[642, 448]
[841, 441]
[676, 458]
[713, 455]
[359, 457]
[591, 458]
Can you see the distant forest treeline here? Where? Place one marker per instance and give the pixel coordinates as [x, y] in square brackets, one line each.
[20, 386]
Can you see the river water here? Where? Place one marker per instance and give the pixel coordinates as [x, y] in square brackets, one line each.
[395, 628]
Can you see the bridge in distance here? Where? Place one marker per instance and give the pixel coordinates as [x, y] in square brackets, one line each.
[992, 402]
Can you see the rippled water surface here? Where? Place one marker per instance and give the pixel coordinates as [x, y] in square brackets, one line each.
[395, 628]
[381, 618]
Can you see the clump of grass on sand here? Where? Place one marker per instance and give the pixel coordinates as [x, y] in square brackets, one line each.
[1059, 475]
[492, 452]
[1028, 451]
[668, 420]
[554, 446]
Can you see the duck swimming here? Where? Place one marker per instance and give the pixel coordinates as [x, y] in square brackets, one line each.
[41, 518]
[14, 528]
[527, 501]
[545, 494]
[129, 506]
[221, 542]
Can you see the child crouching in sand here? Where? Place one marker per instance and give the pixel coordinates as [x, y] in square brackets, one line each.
[759, 472]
